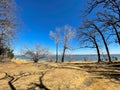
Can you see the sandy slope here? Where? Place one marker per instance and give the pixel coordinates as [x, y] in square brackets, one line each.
[55, 76]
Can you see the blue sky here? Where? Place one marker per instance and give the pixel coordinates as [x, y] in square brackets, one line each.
[41, 16]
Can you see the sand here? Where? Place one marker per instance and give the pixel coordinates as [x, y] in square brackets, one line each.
[26, 75]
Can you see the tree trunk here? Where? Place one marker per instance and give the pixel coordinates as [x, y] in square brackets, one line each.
[107, 50]
[63, 54]
[56, 52]
[98, 51]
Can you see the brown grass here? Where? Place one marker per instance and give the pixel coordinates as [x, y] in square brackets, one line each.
[27, 75]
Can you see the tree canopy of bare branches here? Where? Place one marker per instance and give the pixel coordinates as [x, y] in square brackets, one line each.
[36, 53]
[109, 16]
[8, 23]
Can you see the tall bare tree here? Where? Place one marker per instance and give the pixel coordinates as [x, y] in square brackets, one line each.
[88, 39]
[56, 36]
[68, 34]
[8, 23]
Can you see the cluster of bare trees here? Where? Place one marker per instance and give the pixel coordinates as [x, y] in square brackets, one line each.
[104, 28]
[63, 36]
[7, 24]
[99, 31]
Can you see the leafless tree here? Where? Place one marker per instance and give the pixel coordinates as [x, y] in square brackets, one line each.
[8, 23]
[68, 34]
[88, 39]
[56, 36]
[36, 53]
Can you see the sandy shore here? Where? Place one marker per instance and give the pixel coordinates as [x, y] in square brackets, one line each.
[26, 75]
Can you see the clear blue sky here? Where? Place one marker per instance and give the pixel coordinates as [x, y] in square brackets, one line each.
[41, 16]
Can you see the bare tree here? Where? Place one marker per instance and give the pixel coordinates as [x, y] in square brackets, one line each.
[88, 39]
[56, 36]
[8, 23]
[68, 33]
[37, 52]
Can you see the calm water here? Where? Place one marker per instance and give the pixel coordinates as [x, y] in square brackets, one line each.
[73, 57]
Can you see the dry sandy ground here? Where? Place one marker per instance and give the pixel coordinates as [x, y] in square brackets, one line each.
[22, 75]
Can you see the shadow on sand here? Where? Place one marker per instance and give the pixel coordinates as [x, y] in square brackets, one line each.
[40, 85]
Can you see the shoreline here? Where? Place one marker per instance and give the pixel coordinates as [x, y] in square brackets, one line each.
[17, 60]
[20, 61]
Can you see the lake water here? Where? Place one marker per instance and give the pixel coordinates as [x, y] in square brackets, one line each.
[73, 57]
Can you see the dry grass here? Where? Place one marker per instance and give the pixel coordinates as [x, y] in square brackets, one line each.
[26, 75]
